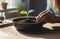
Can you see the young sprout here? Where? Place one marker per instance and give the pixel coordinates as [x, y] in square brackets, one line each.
[22, 9]
[27, 12]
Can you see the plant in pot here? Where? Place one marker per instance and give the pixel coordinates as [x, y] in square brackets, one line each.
[4, 4]
[27, 23]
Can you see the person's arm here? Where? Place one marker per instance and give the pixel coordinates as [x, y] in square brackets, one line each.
[58, 18]
[47, 17]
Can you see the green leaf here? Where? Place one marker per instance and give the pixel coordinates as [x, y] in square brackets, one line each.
[24, 12]
[30, 11]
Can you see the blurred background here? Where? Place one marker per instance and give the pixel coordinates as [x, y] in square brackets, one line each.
[37, 5]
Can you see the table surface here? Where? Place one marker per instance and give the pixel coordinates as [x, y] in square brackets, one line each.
[11, 33]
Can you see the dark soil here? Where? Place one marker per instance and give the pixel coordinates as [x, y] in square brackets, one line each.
[27, 21]
[24, 20]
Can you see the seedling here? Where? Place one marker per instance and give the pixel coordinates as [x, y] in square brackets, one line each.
[27, 12]
[22, 9]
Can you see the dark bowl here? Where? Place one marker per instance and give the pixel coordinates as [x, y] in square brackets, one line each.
[20, 23]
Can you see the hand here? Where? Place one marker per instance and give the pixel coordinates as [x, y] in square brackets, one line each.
[39, 17]
[46, 17]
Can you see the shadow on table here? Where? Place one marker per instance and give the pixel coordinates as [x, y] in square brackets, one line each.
[5, 25]
[43, 33]
[40, 30]
[56, 28]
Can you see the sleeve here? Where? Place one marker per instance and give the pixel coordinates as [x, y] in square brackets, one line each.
[49, 8]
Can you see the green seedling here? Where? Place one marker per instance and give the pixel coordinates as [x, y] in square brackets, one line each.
[24, 12]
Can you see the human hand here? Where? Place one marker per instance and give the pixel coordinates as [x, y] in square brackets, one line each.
[46, 17]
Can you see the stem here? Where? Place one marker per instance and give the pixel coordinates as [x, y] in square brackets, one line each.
[27, 16]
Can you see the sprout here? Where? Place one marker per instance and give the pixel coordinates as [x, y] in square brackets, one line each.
[26, 12]
[22, 9]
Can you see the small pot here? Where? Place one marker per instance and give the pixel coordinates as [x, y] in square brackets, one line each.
[20, 23]
[4, 5]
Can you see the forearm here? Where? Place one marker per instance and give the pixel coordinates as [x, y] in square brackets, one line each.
[58, 19]
[51, 19]
[47, 17]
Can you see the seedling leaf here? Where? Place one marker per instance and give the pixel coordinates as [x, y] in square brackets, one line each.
[23, 12]
[30, 11]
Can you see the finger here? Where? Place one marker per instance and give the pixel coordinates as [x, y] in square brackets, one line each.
[42, 20]
[43, 11]
[45, 17]
[44, 14]
[41, 14]
[41, 17]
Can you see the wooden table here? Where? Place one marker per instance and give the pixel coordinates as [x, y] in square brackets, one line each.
[6, 23]
[11, 33]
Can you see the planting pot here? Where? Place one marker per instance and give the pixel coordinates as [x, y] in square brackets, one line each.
[4, 5]
[23, 23]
